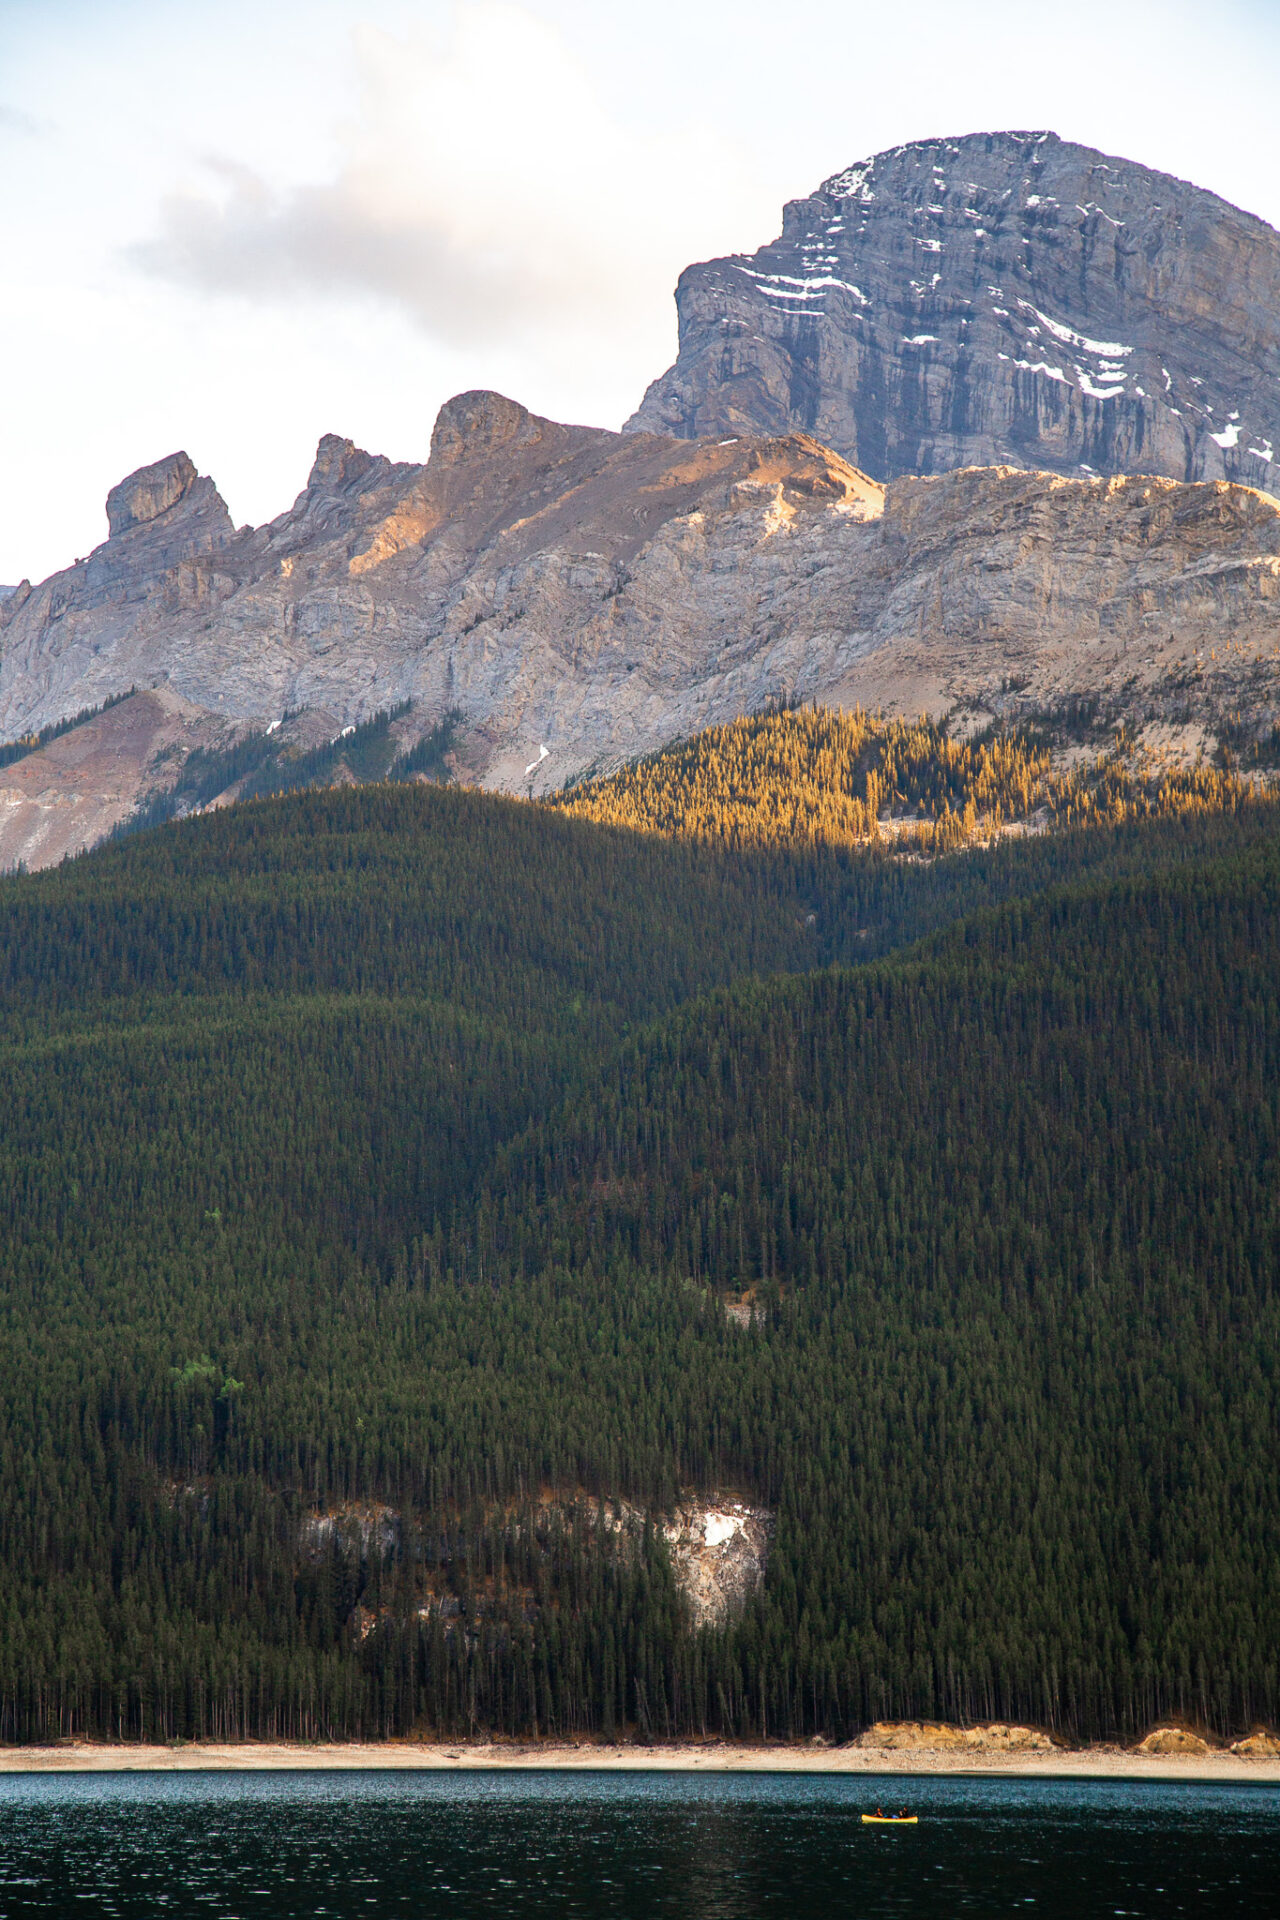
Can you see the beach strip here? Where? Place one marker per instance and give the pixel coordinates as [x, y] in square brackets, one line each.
[588, 1757]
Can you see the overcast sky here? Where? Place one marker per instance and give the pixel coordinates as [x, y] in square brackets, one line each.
[234, 225]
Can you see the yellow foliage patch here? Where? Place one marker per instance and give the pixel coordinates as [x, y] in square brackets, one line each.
[813, 776]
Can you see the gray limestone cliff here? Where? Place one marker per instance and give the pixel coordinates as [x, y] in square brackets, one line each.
[594, 594]
[1004, 298]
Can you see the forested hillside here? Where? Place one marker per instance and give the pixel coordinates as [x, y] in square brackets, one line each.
[1009, 1207]
[399, 1146]
[816, 776]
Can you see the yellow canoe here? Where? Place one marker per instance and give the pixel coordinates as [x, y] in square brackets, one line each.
[891, 1819]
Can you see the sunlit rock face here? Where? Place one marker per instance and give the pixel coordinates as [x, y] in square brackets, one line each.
[568, 598]
[149, 492]
[1005, 298]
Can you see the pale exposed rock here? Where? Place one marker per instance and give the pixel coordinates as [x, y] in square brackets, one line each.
[1003, 298]
[718, 1552]
[1258, 1746]
[1172, 1740]
[364, 1528]
[718, 1546]
[905, 1736]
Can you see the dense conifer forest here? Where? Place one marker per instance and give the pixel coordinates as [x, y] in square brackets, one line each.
[377, 1164]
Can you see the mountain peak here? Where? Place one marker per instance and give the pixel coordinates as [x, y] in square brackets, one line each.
[479, 421]
[338, 461]
[148, 492]
[1004, 298]
[851, 182]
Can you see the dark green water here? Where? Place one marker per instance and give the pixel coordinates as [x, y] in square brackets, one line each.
[609, 1845]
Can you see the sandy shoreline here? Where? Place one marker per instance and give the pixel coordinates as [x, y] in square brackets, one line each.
[1115, 1763]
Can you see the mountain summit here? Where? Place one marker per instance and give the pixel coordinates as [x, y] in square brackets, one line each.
[1005, 298]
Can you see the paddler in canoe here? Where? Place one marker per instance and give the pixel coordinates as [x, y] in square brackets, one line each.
[900, 1819]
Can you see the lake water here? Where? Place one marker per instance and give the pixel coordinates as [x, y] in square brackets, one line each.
[606, 1845]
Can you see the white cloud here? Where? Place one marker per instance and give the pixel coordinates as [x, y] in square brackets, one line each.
[487, 190]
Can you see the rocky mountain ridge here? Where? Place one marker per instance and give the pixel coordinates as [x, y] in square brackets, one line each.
[458, 584]
[1003, 298]
[597, 594]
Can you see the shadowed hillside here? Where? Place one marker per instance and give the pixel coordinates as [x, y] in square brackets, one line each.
[393, 1152]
